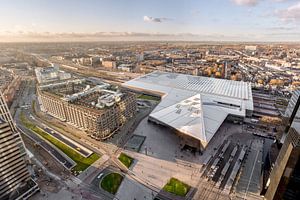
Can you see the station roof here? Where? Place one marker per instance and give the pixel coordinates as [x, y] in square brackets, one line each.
[194, 105]
[200, 84]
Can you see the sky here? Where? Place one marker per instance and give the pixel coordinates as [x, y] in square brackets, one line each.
[201, 20]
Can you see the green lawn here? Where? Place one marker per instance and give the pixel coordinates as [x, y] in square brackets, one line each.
[176, 187]
[126, 160]
[82, 162]
[111, 182]
[148, 97]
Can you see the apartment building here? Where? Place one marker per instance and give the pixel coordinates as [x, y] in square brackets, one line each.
[93, 108]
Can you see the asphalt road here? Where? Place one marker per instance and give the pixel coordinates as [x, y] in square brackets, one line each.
[73, 145]
[53, 151]
[27, 99]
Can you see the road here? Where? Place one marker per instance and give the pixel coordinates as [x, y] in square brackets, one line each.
[77, 147]
[107, 149]
[75, 187]
[56, 153]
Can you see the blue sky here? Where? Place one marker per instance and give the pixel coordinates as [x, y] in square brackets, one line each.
[227, 19]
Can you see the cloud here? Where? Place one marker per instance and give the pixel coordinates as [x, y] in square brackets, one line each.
[245, 2]
[195, 12]
[279, 0]
[255, 2]
[155, 19]
[283, 34]
[281, 28]
[290, 14]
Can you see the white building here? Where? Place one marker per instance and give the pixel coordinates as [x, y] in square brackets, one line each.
[126, 67]
[194, 105]
[49, 74]
[250, 48]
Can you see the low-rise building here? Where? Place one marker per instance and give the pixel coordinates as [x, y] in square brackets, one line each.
[50, 74]
[109, 64]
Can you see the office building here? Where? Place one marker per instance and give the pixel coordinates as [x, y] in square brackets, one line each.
[15, 180]
[284, 179]
[292, 103]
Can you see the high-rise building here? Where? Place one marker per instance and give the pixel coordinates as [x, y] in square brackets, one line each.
[286, 169]
[15, 180]
[292, 103]
[284, 178]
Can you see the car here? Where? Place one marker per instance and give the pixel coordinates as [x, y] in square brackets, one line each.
[99, 176]
[254, 120]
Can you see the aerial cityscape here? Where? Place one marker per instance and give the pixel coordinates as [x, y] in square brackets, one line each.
[150, 100]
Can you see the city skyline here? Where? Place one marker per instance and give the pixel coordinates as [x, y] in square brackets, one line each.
[226, 20]
[161, 99]
[150, 120]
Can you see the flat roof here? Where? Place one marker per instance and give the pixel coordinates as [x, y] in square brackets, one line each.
[220, 87]
[194, 105]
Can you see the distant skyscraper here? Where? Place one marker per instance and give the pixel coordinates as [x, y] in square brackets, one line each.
[15, 181]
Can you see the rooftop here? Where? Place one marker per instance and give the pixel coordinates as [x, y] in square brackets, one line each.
[204, 85]
[194, 105]
[83, 92]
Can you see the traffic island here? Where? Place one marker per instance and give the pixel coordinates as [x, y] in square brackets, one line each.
[126, 160]
[176, 187]
[111, 182]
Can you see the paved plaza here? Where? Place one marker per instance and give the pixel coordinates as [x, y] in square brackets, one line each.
[130, 190]
[160, 158]
[163, 143]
